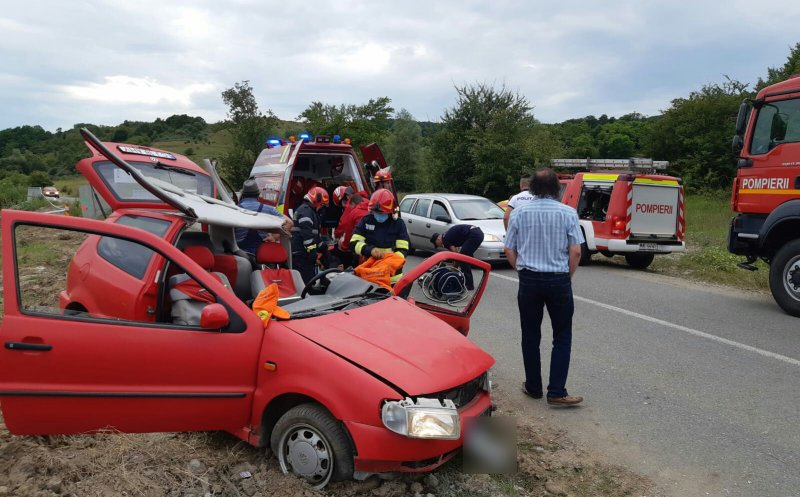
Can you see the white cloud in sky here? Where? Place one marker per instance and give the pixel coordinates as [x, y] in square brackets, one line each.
[127, 90]
[151, 58]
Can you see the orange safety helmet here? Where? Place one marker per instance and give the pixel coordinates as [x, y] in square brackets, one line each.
[318, 197]
[341, 193]
[383, 174]
[382, 201]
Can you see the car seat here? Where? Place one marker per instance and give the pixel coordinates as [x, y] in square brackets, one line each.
[273, 255]
[237, 269]
[187, 296]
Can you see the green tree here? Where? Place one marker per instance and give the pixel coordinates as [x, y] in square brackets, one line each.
[778, 74]
[403, 151]
[695, 135]
[483, 144]
[363, 124]
[40, 179]
[249, 128]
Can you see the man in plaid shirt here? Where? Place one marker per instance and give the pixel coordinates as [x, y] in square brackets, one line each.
[543, 243]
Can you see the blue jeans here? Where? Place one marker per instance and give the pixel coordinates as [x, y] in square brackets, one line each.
[554, 290]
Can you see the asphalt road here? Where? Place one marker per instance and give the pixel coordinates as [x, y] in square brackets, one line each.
[691, 385]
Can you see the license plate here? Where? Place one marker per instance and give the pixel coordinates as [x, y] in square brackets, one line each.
[648, 247]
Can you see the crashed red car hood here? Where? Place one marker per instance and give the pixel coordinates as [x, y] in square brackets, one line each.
[399, 342]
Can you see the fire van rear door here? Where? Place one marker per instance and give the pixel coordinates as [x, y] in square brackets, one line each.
[654, 210]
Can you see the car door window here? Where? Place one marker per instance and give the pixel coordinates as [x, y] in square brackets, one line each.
[407, 204]
[421, 209]
[131, 257]
[439, 210]
[65, 273]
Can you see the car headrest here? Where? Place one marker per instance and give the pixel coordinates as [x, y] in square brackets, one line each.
[201, 255]
[189, 238]
[271, 253]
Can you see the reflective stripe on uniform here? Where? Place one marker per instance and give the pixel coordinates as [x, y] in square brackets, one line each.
[311, 247]
[401, 244]
[305, 220]
[306, 242]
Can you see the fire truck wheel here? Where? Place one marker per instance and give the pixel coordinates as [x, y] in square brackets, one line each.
[586, 255]
[309, 442]
[639, 261]
[784, 278]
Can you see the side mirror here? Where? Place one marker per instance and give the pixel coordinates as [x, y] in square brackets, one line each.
[214, 317]
[741, 118]
[444, 219]
[738, 144]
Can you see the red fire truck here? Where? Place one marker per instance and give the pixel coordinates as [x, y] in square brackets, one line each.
[766, 191]
[625, 208]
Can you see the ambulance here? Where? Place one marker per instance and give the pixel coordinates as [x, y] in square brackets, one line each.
[286, 169]
[626, 208]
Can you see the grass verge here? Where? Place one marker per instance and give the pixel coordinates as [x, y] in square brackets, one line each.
[707, 258]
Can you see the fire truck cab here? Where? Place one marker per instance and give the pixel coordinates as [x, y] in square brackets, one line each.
[625, 209]
[766, 190]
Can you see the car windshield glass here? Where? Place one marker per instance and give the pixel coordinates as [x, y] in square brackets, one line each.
[336, 305]
[476, 209]
[124, 187]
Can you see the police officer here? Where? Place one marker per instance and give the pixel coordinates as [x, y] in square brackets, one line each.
[378, 232]
[305, 233]
[462, 238]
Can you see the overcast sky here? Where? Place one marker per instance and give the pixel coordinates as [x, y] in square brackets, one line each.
[66, 62]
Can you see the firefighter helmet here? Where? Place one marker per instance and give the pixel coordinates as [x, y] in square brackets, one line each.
[317, 196]
[383, 174]
[382, 201]
[341, 193]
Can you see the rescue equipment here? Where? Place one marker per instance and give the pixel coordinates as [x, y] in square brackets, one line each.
[444, 283]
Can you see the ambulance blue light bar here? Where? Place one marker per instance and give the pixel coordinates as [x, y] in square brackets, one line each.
[274, 142]
[337, 139]
[305, 136]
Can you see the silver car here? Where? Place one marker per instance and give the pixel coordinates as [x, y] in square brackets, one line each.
[429, 213]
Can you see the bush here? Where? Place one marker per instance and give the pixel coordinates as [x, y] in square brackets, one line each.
[75, 209]
[188, 151]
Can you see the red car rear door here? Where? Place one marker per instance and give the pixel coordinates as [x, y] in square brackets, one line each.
[423, 285]
[71, 372]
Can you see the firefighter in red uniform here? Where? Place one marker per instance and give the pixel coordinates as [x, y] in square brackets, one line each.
[305, 233]
[379, 232]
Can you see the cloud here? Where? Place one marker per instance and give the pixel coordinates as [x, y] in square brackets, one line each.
[134, 60]
[128, 90]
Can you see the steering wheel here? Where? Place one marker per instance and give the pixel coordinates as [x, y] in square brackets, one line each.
[316, 278]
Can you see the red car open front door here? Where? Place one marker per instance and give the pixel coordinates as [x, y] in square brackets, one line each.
[67, 371]
[441, 286]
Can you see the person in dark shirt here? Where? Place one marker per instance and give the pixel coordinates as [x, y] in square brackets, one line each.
[247, 239]
[462, 238]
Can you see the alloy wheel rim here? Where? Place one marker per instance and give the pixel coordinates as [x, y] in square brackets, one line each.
[305, 452]
[791, 277]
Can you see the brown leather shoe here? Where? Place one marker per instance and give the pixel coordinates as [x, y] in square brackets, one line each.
[569, 400]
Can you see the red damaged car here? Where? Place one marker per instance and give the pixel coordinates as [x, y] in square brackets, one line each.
[142, 323]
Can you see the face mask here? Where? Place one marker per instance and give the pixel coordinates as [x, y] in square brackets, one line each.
[380, 217]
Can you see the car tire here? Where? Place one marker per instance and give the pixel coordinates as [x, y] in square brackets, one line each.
[310, 443]
[784, 278]
[639, 261]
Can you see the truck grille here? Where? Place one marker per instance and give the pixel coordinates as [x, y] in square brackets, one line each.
[462, 394]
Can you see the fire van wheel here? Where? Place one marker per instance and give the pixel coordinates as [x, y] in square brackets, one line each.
[586, 255]
[784, 278]
[312, 444]
[639, 261]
